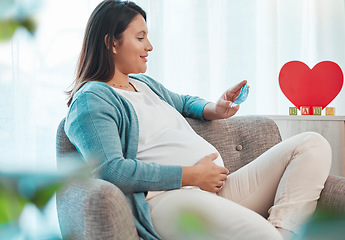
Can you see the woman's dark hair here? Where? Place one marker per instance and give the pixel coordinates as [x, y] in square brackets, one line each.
[96, 62]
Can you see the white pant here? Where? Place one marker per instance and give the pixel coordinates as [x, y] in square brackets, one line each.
[282, 184]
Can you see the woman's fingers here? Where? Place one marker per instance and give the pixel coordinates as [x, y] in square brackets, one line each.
[239, 85]
[233, 93]
[220, 184]
[213, 156]
[223, 171]
[211, 176]
[223, 177]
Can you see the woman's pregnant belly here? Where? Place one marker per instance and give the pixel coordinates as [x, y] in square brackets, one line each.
[176, 147]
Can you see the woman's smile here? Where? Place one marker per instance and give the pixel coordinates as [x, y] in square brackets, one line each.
[144, 58]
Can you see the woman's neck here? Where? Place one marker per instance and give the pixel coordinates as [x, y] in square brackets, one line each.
[121, 81]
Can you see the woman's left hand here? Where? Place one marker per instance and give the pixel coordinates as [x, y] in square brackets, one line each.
[223, 109]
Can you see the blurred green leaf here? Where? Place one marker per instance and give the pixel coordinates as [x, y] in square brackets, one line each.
[11, 204]
[192, 226]
[20, 188]
[29, 23]
[191, 222]
[324, 225]
[43, 195]
[9, 26]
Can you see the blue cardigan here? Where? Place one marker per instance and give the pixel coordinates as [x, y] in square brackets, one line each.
[104, 128]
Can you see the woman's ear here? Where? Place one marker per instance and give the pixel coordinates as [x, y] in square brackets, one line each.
[114, 47]
[107, 41]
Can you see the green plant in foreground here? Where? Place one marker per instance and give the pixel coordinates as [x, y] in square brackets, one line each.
[14, 14]
[17, 189]
[192, 226]
[9, 26]
[324, 225]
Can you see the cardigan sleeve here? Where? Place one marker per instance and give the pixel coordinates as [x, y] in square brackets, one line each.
[188, 106]
[93, 129]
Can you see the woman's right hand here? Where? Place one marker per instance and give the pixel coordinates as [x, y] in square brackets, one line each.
[205, 174]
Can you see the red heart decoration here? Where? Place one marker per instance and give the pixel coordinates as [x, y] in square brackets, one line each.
[315, 87]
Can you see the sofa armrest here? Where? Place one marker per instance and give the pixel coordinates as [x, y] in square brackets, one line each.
[94, 209]
[239, 140]
[332, 197]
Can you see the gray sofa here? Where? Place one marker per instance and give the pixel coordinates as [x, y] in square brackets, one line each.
[96, 209]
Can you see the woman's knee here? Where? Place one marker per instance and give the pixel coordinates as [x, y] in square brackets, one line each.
[319, 147]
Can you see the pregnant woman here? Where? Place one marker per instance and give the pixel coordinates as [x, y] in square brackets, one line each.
[134, 129]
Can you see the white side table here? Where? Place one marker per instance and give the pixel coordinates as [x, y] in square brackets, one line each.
[331, 127]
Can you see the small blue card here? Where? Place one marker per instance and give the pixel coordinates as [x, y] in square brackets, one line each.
[242, 97]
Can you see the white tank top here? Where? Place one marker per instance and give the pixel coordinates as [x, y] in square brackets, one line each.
[165, 137]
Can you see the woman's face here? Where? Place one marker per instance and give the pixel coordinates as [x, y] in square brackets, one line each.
[132, 49]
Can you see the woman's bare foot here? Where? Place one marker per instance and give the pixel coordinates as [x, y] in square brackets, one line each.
[287, 235]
